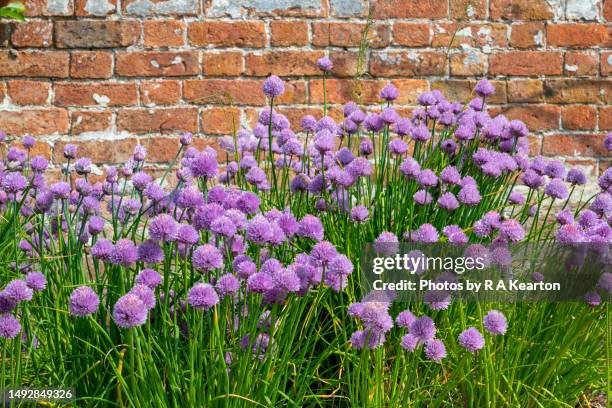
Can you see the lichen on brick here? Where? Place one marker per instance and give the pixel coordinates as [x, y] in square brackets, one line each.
[147, 7]
[235, 8]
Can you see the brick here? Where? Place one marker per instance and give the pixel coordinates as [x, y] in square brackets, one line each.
[365, 91]
[400, 63]
[95, 94]
[95, 8]
[224, 63]
[575, 145]
[34, 64]
[468, 9]
[238, 92]
[576, 35]
[607, 10]
[2, 91]
[96, 33]
[5, 35]
[164, 92]
[572, 91]
[525, 90]
[579, 117]
[28, 92]
[35, 122]
[160, 149]
[463, 90]
[161, 120]
[606, 91]
[36, 8]
[606, 63]
[91, 64]
[156, 63]
[527, 35]
[521, 10]
[343, 34]
[99, 151]
[580, 64]
[463, 35]
[34, 33]
[525, 63]
[282, 63]
[287, 33]
[164, 33]
[220, 121]
[605, 118]
[345, 63]
[227, 34]
[536, 117]
[161, 7]
[411, 34]
[431, 9]
[90, 121]
[470, 63]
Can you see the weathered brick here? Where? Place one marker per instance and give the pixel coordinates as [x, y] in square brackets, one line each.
[343, 34]
[401, 63]
[227, 34]
[96, 33]
[34, 33]
[95, 8]
[525, 90]
[28, 92]
[95, 94]
[99, 151]
[575, 145]
[2, 91]
[521, 10]
[164, 33]
[91, 64]
[35, 122]
[220, 121]
[527, 35]
[579, 117]
[34, 64]
[463, 90]
[572, 91]
[159, 120]
[411, 34]
[36, 8]
[160, 149]
[606, 63]
[224, 63]
[463, 35]
[238, 92]
[576, 35]
[536, 117]
[164, 92]
[345, 63]
[156, 63]
[90, 121]
[471, 63]
[161, 7]
[282, 63]
[410, 9]
[605, 118]
[525, 63]
[468, 9]
[365, 91]
[580, 64]
[287, 33]
[607, 10]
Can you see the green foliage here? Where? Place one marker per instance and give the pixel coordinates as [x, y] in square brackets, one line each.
[13, 11]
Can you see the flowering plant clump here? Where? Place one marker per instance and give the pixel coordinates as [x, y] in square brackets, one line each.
[236, 282]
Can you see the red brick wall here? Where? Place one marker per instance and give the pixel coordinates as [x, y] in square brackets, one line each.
[108, 74]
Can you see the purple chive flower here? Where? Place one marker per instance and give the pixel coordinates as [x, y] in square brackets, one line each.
[450, 175]
[435, 350]
[323, 252]
[129, 311]
[14, 182]
[18, 291]
[206, 258]
[102, 249]
[150, 252]
[398, 147]
[273, 86]
[145, 294]
[124, 253]
[389, 92]
[36, 281]
[592, 299]
[163, 228]
[386, 243]
[565, 217]
[248, 203]
[83, 301]
[359, 214]
[471, 339]
[409, 342]
[95, 225]
[425, 234]
[39, 164]
[423, 328]
[140, 181]
[512, 230]
[556, 188]
[324, 64]
[324, 141]
[366, 147]
[28, 142]
[259, 230]
[202, 296]
[149, 278]
[203, 165]
[227, 285]
[455, 235]
[532, 179]
[308, 123]
[83, 166]
[420, 133]
[186, 139]
[9, 326]
[570, 234]
[7, 304]
[427, 178]
[310, 227]
[555, 169]
[405, 319]
[187, 235]
[495, 322]
[448, 202]
[422, 197]
[60, 190]
[223, 226]
[576, 177]
[484, 88]
[70, 151]
[516, 198]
